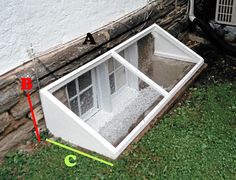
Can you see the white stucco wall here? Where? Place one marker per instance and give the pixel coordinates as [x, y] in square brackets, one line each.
[49, 23]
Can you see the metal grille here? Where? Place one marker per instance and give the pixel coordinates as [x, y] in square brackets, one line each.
[225, 12]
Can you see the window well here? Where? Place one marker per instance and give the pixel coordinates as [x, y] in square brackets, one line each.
[103, 105]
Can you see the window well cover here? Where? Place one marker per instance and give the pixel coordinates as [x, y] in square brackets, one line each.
[103, 105]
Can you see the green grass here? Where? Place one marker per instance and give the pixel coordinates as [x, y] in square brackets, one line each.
[196, 140]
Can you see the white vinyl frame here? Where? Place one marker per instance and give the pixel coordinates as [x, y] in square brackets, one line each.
[65, 124]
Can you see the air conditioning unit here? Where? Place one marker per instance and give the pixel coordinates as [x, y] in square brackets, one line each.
[226, 12]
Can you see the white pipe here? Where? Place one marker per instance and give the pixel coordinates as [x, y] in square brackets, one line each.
[191, 11]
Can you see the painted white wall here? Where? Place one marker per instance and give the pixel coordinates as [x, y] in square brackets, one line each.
[46, 24]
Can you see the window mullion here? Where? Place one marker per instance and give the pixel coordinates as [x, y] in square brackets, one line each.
[94, 89]
[114, 72]
[78, 98]
[71, 98]
[119, 68]
[85, 89]
[68, 99]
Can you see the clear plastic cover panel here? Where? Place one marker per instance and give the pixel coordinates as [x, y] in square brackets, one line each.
[103, 105]
[122, 99]
[130, 98]
[166, 72]
[113, 100]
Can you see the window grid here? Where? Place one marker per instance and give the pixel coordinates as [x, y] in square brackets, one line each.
[78, 93]
[113, 72]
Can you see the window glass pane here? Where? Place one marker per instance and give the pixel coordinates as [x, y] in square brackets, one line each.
[74, 106]
[86, 100]
[71, 87]
[110, 65]
[85, 80]
[120, 78]
[117, 64]
[112, 83]
[122, 53]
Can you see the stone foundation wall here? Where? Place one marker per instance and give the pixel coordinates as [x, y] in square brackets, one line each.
[145, 53]
[16, 127]
[60, 94]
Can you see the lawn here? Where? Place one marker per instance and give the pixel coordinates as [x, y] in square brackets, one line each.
[197, 139]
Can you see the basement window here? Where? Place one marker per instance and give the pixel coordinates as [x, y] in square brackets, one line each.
[117, 75]
[103, 105]
[82, 95]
